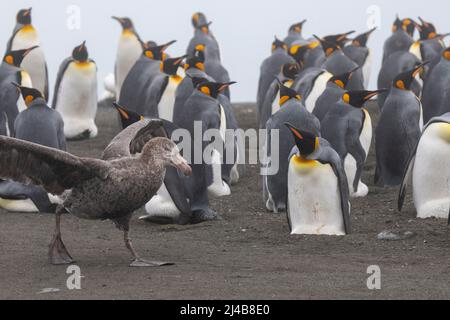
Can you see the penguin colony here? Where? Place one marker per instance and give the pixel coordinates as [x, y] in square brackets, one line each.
[311, 91]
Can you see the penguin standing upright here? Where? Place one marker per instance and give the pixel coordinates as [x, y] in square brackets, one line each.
[159, 100]
[336, 87]
[25, 36]
[429, 171]
[295, 34]
[398, 130]
[318, 195]
[128, 52]
[401, 38]
[292, 111]
[11, 102]
[270, 68]
[141, 76]
[436, 92]
[348, 128]
[41, 125]
[76, 94]
[361, 54]
[337, 62]
[204, 36]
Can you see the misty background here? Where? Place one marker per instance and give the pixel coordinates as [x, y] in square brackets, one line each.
[244, 29]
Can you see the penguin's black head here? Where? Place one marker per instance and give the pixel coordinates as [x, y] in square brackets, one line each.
[24, 17]
[127, 117]
[409, 25]
[290, 70]
[307, 142]
[213, 89]
[397, 25]
[343, 79]
[287, 94]
[29, 94]
[426, 29]
[329, 47]
[278, 44]
[339, 39]
[80, 53]
[157, 52]
[15, 58]
[199, 51]
[298, 52]
[404, 80]
[170, 66]
[198, 20]
[361, 40]
[195, 61]
[197, 81]
[358, 98]
[298, 27]
[126, 23]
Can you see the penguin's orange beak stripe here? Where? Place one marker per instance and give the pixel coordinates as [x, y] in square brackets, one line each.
[296, 133]
[123, 113]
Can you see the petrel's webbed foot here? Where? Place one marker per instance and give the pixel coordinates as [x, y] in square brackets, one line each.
[58, 254]
[138, 261]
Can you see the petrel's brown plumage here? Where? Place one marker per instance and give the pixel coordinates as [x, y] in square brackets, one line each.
[130, 173]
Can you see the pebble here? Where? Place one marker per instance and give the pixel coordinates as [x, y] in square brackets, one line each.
[391, 236]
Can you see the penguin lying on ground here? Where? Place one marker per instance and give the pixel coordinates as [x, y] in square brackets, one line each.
[318, 195]
[436, 92]
[429, 170]
[292, 111]
[25, 36]
[401, 38]
[75, 95]
[128, 52]
[141, 76]
[11, 101]
[398, 130]
[41, 125]
[361, 54]
[271, 104]
[295, 34]
[348, 128]
[336, 87]
[203, 36]
[270, 68]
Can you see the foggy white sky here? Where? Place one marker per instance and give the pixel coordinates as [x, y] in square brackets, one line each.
[244, 29]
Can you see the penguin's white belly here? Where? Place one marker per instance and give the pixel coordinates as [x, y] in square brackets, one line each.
[431, 173]
[367, 70]
[77, 100]
[34, 63]
[167, 102]
[128, 53]
[26, 82]
[162, 205]
[319, 86]
[219, 188]
[314, 199]
[276, 103]
[350, 164]
[25, 206]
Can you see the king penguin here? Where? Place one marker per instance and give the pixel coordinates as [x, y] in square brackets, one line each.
[401, 38]
[128, 52]
[204, 36]
[336, 87]
[398, 130]
[159, 99]
[271, 104]
[348, 128]
[436, 92]
[276, 152]
[141, 76]
[25, 36]
[11, 102]
[270, 68]
[361, 54]
[44, 126]
[295, 34]
[318, 195]
[76, 94]
[429, 171]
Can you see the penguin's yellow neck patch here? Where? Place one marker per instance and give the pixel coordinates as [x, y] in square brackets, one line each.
[127, 33]
[303, 165]
[84, 64]
[176, 78]
[28, 28]
[444, 131]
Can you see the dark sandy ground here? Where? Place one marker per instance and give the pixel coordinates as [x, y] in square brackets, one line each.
[249, 255]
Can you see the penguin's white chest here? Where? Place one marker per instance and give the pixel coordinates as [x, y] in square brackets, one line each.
[276, 103]
[319, 86]
[314, 199]
[431, 173]
[26, 82]
[167, 102]
[367, 69]
[128, 53]
[77, 99]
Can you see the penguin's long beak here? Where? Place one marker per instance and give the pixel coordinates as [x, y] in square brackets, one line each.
[167, 45]
[374, 93]
[223, 86]
[28, 12]
[29, 50]
[419, 68]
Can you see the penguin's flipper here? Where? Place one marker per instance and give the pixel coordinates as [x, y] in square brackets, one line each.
[46, 88]
[8, 104]
[406, 181]
[266, 109]
[62, 70]
[176, 188]
[357, 151]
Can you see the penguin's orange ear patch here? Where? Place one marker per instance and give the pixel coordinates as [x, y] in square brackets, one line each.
[346, 98]
[283, 100]
[339, 83]
[330, 51]
[200, 66]
[9, 59]
[205, 90]
[149, 54]
[400, 84]
[29, 99]
[447, 55]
